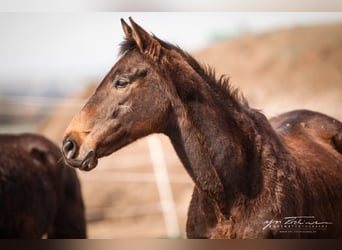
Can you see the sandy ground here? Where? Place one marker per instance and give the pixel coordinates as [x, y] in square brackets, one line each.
[276, 71]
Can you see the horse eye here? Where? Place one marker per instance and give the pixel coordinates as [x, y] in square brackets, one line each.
[120, 82]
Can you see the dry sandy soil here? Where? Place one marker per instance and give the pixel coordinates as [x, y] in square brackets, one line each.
[277, 71]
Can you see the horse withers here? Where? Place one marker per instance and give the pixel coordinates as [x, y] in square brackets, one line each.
[252, 179]
[39, 195]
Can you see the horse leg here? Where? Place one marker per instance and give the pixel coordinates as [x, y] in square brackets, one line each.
[201, 216]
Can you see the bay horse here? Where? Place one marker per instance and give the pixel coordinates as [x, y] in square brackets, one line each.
[252, 179]
[39, 194]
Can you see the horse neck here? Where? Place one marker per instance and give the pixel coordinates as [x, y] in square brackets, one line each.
[216, 142]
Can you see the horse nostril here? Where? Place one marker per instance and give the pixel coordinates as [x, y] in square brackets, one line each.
[69, 148]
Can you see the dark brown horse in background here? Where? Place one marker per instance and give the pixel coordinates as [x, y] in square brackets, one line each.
[39, 195]
[249, 177]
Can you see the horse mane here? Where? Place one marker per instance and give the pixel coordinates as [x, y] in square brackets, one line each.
[218, 84]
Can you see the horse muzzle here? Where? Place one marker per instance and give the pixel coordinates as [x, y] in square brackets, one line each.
[77, 157]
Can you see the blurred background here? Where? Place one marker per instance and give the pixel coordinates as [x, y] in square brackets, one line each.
[50, 63]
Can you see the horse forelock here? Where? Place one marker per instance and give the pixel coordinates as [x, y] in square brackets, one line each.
[127, 45]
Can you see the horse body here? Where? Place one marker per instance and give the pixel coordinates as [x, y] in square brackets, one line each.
[289, 185]
[249, 177]
[38, 193]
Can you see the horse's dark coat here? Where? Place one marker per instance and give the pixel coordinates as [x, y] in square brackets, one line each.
[247, 174]
[38, 193]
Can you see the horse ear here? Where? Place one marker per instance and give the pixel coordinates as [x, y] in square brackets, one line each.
[146, 43]
[127, 30]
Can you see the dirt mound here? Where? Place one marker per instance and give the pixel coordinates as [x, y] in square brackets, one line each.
[277, 71]
[283, 70]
